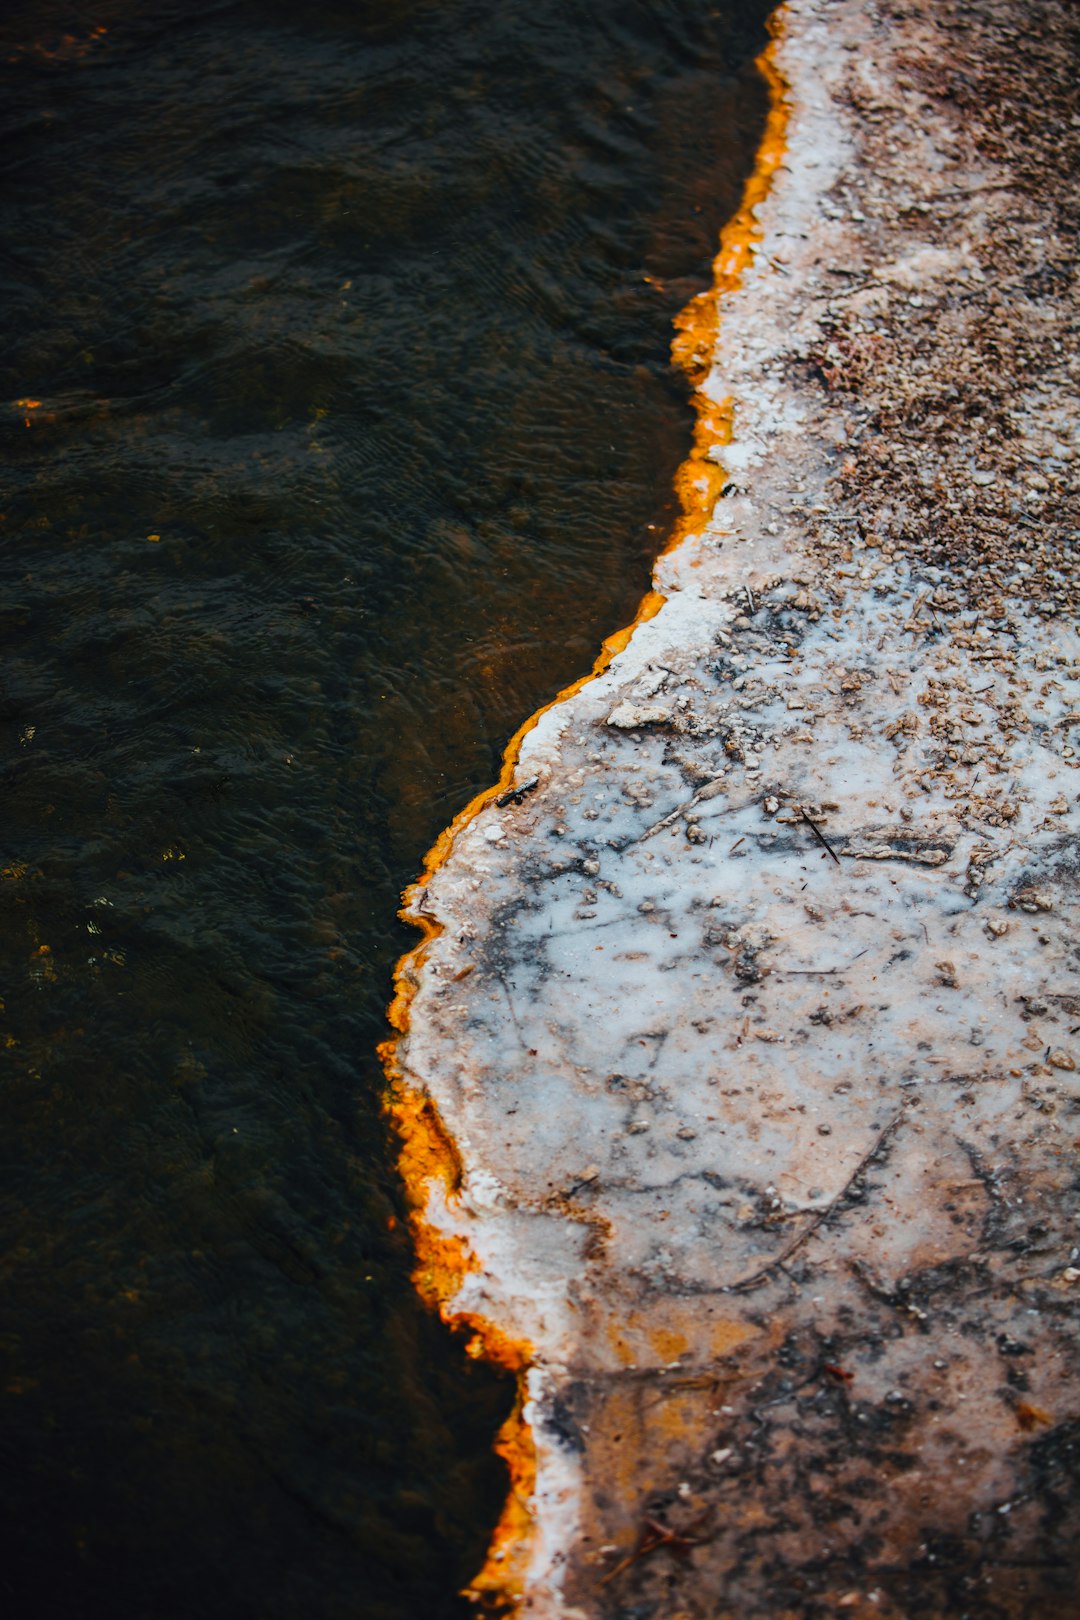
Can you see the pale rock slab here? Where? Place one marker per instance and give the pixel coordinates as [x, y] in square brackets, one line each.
[756, 1022]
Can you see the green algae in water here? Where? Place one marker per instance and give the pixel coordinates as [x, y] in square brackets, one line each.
[353, 433]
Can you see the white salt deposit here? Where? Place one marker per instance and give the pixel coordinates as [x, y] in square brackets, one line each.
[784, 926]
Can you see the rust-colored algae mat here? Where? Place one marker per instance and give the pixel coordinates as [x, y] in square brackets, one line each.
[428, 1157]
[736, 1068]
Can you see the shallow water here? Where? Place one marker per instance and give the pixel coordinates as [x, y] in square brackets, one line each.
[340, 430]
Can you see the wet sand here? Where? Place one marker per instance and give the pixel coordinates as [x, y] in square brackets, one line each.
[739, 1064]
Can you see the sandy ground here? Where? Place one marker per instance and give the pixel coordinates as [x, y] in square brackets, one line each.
[754, 1020]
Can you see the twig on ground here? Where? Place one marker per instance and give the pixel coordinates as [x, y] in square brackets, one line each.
[819, 1219]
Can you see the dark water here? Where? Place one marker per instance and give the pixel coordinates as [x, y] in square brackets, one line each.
[356, 434]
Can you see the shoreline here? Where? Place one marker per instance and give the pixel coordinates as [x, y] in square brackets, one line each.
[731, 1045]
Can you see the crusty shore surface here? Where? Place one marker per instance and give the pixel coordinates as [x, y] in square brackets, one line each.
[756, 1023]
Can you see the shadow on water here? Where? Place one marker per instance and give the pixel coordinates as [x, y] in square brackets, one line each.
[340, 430]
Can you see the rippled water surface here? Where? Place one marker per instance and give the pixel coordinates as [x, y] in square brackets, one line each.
[339, 430]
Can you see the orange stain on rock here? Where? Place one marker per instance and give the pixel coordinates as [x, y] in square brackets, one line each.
[428, 1159]
[503, 1575]
[699, 480]
[638, 1341]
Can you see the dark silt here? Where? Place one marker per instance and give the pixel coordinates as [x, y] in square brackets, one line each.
[339, 430]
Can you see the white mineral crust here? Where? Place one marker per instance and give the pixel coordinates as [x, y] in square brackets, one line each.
[775, 970]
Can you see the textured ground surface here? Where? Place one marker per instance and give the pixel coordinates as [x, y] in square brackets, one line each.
[756, 1022]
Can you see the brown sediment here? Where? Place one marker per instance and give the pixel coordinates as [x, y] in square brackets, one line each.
[428, 1156]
